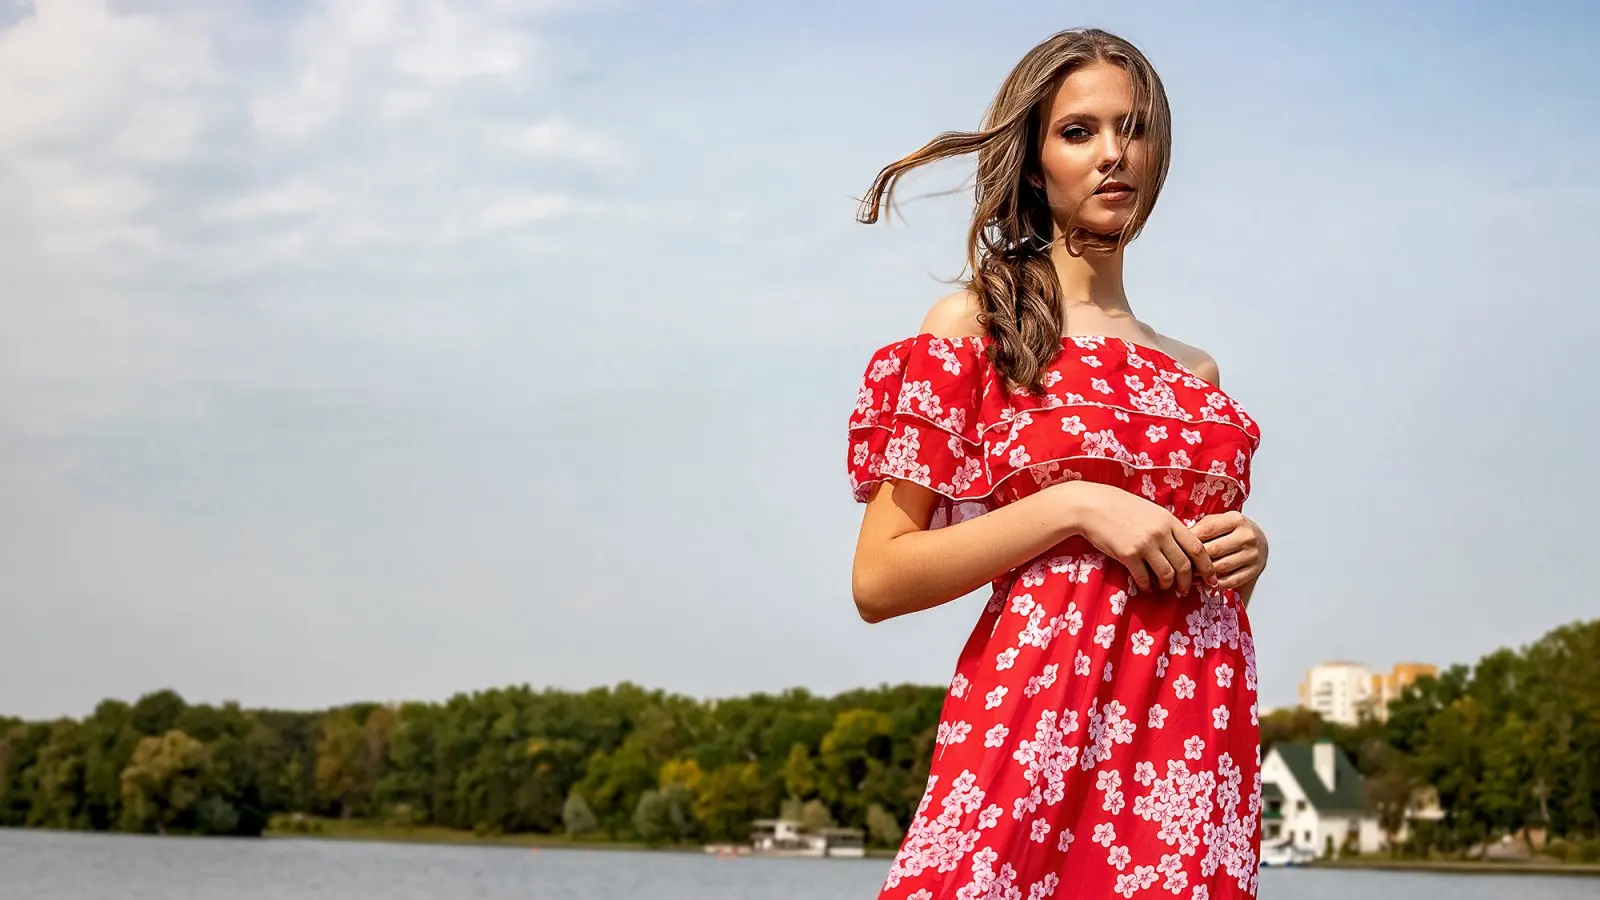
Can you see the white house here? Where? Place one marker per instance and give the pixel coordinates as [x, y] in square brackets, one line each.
[1314, 798]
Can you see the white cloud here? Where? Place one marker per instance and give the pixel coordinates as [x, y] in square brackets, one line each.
[557, 138]
[520, 211]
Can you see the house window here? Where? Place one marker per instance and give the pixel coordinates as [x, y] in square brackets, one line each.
[1308, 837]
[1271, 831]
[1300, 807]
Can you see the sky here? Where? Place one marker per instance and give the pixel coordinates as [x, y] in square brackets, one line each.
[386, 349]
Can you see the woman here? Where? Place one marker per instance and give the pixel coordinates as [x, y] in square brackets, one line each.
[1100, 736]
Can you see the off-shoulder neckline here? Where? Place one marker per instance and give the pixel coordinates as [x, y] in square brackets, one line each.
[983, 341]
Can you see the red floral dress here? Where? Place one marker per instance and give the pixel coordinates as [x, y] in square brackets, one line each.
[1095, 742]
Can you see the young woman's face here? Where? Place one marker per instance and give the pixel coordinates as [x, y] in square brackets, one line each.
[1084, 129]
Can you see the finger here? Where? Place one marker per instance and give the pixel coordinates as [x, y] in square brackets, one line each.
[1209, 527]
[1233, 562]
[1224, 544]
[1137, 572]
[1216, 525]
[1182, 566]
[1236, 580]
[1161, 567]
[1191, 544]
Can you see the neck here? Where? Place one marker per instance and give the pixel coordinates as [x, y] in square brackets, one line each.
[1093, 279]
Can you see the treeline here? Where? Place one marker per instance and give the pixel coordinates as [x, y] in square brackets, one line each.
[1511, 742]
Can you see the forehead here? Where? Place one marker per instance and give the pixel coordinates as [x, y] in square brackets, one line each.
[1100, 88]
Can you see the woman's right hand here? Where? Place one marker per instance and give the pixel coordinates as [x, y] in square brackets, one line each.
[1157, 549]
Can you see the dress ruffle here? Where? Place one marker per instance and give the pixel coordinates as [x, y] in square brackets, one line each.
[933, 411]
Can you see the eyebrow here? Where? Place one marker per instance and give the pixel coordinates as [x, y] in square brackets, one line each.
[1088, 117]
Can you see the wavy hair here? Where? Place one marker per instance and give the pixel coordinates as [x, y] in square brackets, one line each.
[1012, 231]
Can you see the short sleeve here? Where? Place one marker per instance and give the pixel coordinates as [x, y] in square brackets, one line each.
[917, 419]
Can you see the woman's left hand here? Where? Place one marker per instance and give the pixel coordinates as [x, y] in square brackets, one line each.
[1237, 547]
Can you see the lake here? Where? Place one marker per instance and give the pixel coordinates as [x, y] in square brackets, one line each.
[36, 865]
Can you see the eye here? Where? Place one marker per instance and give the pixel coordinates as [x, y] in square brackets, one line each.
[1076, 133]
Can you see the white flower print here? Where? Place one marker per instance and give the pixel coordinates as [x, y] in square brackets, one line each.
[1134, 382]
[1105, 835]
[1194, 748]
[1106, 677]
[1172, 867]
[1201, 892]
[1184, 687]
[958, 686]
[1104, 635]
[1121, 416]
[1064, 841]
[1092, 362]
[1161, 666]
[1019, 457]
[940, 349]
[938, 842]
[1147, 487]
[1156, 433]
[1114, 802]
[965, 474]
[1119, 601]
[1255, 713]
[1081, 664]
[1144, 773]
[1077, 568]
[996, 736]
[1040, 830]
[1219, 718]
[1042, 681]
[1045, 887]
[995, 697]
[1142, 642]
[900, 458]
[1119, 857]
[1022, 604]
[1179, 459]
[953, 733]
[1178, 644]
[1006, 659]
[1158, 717]
[987, 883]
[1073, 425]
[1191, 436]
[1046, 756]
[1101, 385]
[923, 894]
[1224, 675]
[990, 817]
[860, 453]
[1108, 780]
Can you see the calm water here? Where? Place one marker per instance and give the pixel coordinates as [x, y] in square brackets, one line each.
[54, 866]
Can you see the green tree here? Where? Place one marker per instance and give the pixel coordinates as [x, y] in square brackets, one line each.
[164, 783]
[578, 818]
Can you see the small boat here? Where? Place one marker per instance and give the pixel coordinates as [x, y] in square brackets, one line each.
[1284, 853]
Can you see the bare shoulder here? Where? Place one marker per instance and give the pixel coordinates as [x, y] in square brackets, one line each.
[1193, 358]
[954, 315]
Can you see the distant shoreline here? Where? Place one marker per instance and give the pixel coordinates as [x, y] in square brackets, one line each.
[1462, 867]
[333, 829]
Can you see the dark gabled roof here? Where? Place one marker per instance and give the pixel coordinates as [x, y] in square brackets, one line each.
[1269, 791]
[1348, 794]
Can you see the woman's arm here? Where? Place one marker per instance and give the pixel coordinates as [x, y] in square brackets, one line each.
[902, 567]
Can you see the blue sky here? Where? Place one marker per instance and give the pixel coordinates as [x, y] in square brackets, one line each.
[380, 350]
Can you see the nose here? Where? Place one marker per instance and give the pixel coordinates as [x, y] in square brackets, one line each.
[1109, 148]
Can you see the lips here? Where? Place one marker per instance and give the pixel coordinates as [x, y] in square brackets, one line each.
[1115, 187]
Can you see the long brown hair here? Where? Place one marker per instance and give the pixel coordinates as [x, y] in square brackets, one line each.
[1008, 243]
